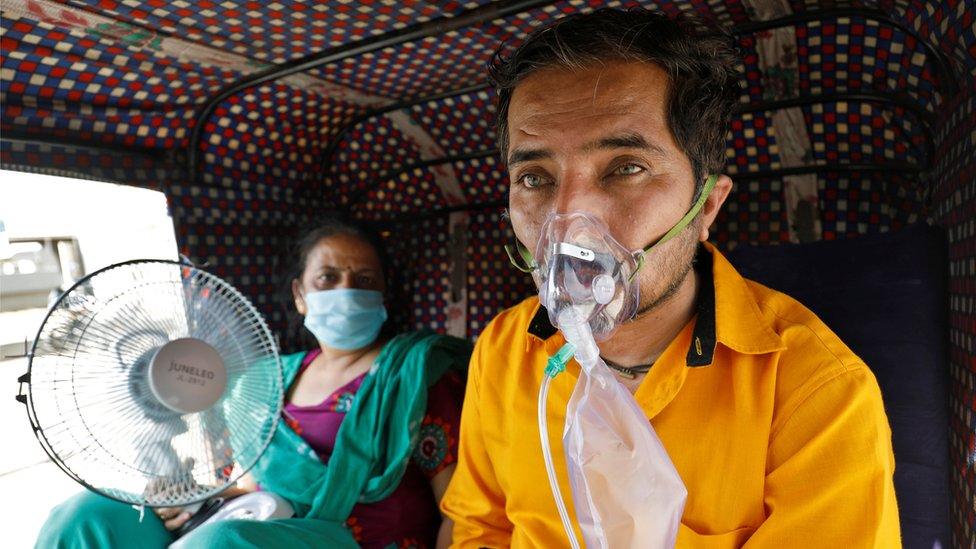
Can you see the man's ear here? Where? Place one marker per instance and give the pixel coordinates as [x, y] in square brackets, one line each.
[713, 204]
[296, 292]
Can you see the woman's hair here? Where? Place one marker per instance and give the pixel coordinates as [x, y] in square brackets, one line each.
[294, 263]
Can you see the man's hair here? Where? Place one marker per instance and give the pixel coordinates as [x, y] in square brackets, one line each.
[701, 64]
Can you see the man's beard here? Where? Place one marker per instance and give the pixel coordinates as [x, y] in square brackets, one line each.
[676, 262]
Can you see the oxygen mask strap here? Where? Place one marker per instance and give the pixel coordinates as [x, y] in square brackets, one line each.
[524, 260]
[679, 226]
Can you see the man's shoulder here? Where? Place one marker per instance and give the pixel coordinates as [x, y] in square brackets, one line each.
[813, 355]
[511, 324]
[800, 328]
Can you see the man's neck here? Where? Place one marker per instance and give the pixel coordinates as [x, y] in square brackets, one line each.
[642, 340]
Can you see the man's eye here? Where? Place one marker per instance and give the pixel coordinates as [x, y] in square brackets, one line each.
[628, 169]
[531, 180]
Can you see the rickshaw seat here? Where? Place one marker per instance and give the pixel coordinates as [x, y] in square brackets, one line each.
[885, 295]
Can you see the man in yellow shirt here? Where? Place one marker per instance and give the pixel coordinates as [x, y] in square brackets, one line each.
[775, 427]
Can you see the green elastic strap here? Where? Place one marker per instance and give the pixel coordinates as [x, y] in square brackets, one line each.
[557, 362]
[680, 225]
[528, 262]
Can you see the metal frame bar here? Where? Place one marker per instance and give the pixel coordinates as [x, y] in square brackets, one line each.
[944, 68]
[442, 25]
[897, 101]
[924, 117]
[477, 155]
[18, 136]
[373, 113]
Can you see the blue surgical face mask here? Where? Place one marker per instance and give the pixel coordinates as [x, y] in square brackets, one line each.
[345, 318]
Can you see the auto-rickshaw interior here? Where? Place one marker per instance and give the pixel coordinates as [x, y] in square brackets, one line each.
[853, 152]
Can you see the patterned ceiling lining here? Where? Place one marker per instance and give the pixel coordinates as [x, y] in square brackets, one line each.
[368, 153]
[435, 64]
[273, 134]
[139, 109]
[84, 163]
[462, 124]
[853, 54]
[71, 83]
[754, 213]
[415, 191]
[949, 24]
[858, 133]
[457, 59]
[69, 74]
[275, 31]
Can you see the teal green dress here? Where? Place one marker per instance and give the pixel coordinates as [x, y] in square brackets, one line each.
[372, 450]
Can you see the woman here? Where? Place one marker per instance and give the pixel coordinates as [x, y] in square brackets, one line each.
[375, 481]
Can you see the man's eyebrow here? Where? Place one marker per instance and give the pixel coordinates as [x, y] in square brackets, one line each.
[624, 141]
[528, 155]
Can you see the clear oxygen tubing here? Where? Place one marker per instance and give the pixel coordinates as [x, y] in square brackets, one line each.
[556, 364]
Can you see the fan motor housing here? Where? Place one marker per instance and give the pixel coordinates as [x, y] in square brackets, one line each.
[187, 375]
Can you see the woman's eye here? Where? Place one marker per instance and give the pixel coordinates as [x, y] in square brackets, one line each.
[628, 169]
[531, 180]
[330, 277]
[365, 280]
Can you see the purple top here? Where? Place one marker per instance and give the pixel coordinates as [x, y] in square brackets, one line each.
[409, 517]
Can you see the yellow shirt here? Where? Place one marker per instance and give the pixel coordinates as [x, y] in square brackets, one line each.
[776, 428]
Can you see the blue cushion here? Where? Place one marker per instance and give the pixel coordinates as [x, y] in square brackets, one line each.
[885, 295]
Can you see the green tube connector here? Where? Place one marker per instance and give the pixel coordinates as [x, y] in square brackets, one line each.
[557, 362]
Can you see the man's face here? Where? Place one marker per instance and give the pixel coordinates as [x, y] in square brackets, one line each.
[597, 141]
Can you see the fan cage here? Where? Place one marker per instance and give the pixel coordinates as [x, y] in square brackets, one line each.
[257, 335]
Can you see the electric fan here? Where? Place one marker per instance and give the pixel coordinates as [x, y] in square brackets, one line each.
[153, 383]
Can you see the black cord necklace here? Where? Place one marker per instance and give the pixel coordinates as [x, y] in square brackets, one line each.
[630, 372]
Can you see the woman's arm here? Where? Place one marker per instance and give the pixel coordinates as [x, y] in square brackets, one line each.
[439, 484]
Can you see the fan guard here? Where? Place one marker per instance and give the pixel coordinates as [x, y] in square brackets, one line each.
[154, 383]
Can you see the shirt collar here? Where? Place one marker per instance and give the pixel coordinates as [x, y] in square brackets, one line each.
[726, 313]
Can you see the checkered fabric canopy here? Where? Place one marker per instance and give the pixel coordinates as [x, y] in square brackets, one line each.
[253, 117]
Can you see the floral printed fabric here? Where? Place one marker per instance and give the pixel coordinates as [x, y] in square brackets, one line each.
[409, 517]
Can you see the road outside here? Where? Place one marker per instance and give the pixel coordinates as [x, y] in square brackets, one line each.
[111, 223]
[30, 484]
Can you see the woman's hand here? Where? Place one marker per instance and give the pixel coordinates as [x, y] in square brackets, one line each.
[439, 484]
[172, 517]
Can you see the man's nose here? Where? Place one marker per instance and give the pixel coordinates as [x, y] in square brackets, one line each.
[580, 193]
